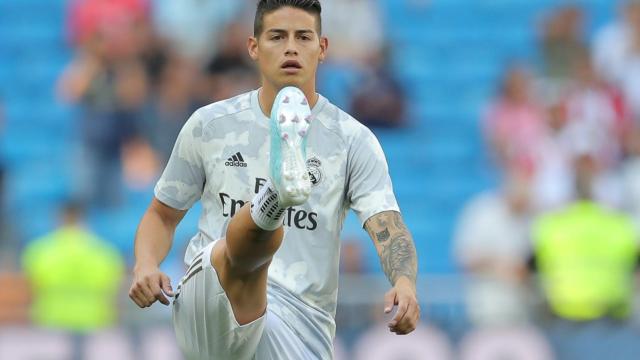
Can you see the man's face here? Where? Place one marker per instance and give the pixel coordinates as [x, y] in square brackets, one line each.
[289, 48]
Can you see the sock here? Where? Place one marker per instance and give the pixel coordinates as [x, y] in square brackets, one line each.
[265, 210]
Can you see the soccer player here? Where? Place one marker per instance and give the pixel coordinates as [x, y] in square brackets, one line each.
[276, 170]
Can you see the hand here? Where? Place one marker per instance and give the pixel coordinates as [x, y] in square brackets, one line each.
[149, 285]
[403, 294]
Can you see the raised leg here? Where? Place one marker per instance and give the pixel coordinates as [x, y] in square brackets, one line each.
[255, 233]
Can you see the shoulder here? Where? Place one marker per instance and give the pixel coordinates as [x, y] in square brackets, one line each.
[37, 246]
[40, 248]
[220, 110]
[342, 124]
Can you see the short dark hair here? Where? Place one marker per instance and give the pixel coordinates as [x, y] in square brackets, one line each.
[267, 6]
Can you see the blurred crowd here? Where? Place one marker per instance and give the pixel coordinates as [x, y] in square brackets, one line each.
[565, 136]
[140, 71]
[550, 254]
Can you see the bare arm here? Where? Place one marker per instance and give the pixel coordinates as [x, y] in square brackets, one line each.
[152, 244]
[395, 246]
[155, 233]
[399, 262]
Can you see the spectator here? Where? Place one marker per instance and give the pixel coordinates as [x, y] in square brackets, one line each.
[350, 57]
[74, 276]
[596, 114]
[586, 255]
[108, 77]
[614, 44]
[562, 42]
[552, 181]
[347, 23]
[616, 53]
[172, 100]
[113, 20]
[554, 178]
[515, 124]
[231, 71]
[175, 21]
[491, 244]
[379, 100]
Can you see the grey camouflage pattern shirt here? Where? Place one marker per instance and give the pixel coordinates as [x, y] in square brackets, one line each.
[221, 158]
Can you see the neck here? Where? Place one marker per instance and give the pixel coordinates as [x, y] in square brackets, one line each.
[267, 95]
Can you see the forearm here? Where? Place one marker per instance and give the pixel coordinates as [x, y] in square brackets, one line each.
[154, 236]
[395, 246]
[153, 240]
[399, 259]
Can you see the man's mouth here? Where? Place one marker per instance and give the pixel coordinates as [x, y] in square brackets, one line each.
[291, 65]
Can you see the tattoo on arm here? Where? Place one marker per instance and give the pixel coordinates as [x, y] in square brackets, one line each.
[383, 235]
[395, 245]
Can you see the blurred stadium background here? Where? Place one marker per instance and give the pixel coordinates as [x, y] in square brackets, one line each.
[488, 110]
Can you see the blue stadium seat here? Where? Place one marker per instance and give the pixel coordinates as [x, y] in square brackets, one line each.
[35, 220]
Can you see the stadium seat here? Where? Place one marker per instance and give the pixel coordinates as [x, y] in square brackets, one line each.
[19, 343]
[516, 343]
[160, 344]
[425, 343]
[107, 345]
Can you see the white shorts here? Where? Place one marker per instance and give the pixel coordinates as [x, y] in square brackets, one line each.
[206, 328]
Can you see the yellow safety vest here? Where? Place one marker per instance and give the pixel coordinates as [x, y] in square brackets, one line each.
[75, 279]
[586, 256]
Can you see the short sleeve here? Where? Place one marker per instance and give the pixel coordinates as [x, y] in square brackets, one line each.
[369, 189]
[183, 179]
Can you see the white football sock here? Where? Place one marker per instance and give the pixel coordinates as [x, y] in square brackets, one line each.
[265, 209]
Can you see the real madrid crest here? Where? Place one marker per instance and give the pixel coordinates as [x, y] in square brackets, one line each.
[315, 174]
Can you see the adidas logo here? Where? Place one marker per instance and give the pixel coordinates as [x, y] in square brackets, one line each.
[236, 160]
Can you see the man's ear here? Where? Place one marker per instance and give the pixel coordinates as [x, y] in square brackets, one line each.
[252, 48]
[324, 46]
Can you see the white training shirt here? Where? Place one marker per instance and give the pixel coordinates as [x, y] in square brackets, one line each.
[221, 157]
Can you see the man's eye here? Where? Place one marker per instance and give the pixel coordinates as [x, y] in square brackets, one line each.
[305, 37]
[276, 37]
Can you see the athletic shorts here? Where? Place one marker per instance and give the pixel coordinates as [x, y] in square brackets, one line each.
[206, 328]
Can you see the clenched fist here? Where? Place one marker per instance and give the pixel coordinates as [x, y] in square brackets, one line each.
[402, 295]
[150, 284]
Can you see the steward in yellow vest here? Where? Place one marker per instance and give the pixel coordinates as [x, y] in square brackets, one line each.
[586, 256]
[75, 277]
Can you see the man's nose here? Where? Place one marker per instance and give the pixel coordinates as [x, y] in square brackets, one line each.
[291, 48]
